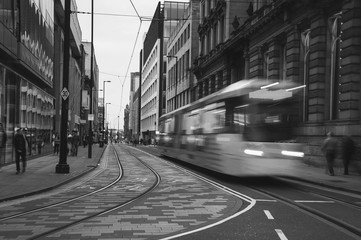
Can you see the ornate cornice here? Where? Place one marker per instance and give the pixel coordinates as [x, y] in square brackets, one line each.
[215, 14]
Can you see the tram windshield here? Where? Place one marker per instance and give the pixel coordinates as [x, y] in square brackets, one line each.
[265, 122]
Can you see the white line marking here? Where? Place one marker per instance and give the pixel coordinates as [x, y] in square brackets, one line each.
[313, 201]
[266, 200]
[281, 235]
[268, 214]
[244, 197]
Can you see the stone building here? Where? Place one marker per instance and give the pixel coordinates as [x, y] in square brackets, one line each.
[182, 50]
[315, 43]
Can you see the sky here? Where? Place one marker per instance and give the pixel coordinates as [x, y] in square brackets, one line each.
[116, 26]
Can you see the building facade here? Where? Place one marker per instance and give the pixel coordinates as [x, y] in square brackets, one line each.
[31, 71]
[90, 92]
[153, 70]
[315, 43]
[182, 50]
[134, 105]
[26, 71]
[218, 66]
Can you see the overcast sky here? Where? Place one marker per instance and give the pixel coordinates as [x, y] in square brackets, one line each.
[116, 26]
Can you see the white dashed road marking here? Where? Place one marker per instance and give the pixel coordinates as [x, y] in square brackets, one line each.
[268, 214]
[280, 234]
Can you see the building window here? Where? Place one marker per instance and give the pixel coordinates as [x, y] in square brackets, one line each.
[203, 11]
[305, 54]
[222, 31]
[203, 47]
[220, 80]
[265, 61]
[334, 28]
[215, 35]
[283, 61]
[209, 46]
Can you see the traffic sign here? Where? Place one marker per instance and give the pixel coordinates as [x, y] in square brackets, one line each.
[64, 93]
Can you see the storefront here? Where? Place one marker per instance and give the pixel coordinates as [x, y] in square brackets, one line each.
[22, 104]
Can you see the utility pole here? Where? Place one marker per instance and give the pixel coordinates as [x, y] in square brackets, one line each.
[90, 141]
[63, 166]
[104, 105]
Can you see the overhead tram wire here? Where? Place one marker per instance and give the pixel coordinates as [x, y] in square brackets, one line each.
[135, 10]
[131, 57]
[145, 18]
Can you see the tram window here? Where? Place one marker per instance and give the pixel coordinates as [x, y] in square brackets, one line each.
[169, 126]
[191, 123]
[215, 120]
[240, 118]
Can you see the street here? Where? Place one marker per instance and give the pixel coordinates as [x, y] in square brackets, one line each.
[135, 195]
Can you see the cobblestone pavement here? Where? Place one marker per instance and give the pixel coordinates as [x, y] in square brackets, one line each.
[179, 203]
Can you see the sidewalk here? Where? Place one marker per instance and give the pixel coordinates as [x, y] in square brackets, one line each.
[318, 176]
[40, 173]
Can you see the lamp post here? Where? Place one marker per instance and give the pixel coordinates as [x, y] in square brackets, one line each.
[63, 166]
[106, 132]
[103, 104]
[90, 130]
[176, 79]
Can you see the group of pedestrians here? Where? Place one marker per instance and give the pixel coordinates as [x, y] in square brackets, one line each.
[329, 148]
[73, 141]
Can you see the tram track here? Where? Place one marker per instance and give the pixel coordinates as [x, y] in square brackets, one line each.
[244, 198]
[333, 207]
[82, 201]
[312, 210]
[65, 201]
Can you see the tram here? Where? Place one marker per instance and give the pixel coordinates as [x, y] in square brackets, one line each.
[245, 129]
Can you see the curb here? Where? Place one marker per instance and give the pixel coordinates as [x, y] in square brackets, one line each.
[54, 186]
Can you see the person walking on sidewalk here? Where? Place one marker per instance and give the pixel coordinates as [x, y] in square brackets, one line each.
[329, 148]
[20, 149]
[348, 148]
[76, 141]
[56, 144]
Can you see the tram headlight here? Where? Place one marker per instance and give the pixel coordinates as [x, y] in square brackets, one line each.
[253, 152]
[293, 154]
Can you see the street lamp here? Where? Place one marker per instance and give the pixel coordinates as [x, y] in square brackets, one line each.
[176, 79]
[106, 131]
[90, 130]
[103, 104]
[63, 166]
[106, 108]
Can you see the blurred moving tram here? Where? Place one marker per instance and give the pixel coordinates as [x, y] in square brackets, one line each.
[244, 129]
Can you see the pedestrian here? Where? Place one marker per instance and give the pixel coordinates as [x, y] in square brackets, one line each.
[56, 144]
[85, 137]
[20, 149]
[3, 139]
[329, 148]
[40, 143]
[348, 148]
[69, 144]
[76, 141]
